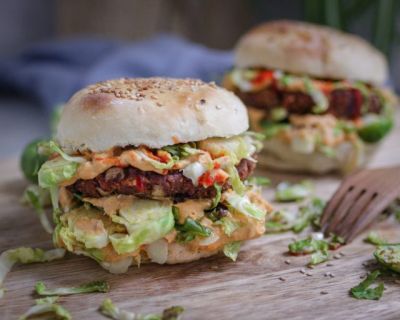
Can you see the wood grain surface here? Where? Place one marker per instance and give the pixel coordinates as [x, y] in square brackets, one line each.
[213, 288]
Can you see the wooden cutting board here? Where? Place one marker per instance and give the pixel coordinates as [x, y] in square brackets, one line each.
[213, 288]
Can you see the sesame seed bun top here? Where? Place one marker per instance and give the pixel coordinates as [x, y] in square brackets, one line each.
[148, 111]
[310, 49]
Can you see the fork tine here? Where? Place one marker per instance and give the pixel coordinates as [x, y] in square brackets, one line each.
[372, 212]
[376, 206]
[338, 196]
[346, 203]
[334, 202]
[355, 211]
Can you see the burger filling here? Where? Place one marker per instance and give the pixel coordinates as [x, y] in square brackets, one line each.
[277, 96]
[135, 204]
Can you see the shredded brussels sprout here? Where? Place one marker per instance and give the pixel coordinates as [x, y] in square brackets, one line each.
[25, 255]
[46, 308]
[231, 250]
[94, 286]
[110, 310]
[37, 198]
[243, 205]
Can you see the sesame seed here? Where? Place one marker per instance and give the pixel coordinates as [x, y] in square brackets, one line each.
[342, 254]
[134, 88]
[287, 261]
[308, 274]
[337, 256]
[282, 278]
[329, 264]
[324, 292]
[202, 101]
[303, 271]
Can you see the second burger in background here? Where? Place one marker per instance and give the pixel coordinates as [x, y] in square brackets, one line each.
[315, 92]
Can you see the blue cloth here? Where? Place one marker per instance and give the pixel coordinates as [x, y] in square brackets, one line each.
[51, 72]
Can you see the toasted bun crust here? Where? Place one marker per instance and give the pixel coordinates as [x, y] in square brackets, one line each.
[154, 112]
[310, 49]
[178, 253]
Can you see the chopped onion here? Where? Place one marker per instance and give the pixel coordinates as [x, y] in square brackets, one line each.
[193, 171]
[318, 236]
[120, 266]
[212, 238]
[158, 251]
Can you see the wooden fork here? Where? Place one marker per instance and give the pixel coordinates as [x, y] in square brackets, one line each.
[359, 200]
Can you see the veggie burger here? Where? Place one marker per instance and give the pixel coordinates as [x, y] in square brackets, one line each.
[153, 170]
[315, 92]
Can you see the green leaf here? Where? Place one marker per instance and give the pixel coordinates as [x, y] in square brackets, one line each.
[336, 242]
[25, 255]
[279, 221]
[181, 150]
[286, 192]
[278, 114]
[389, 256]
[328, 151]
[32, 160]
[37, 198]
[271, 129]
[56, 171]
[363, 290]
[375, 239]
[190, 229]
[46, 309]
[310, 213]
[94, 286]
[243, 205]
[394, 209]
[375, 128]
[50, 147]
[308, 245]
[320, 100]
[108, 309]
[146, 221]
[172, 313]
[237, 184]
[231, 250]
[217, 197]
[319, 257]
[259, 181]
[228, 225]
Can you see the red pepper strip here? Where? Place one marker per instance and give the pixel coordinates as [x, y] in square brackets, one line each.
[220, 177]
[139, 184]
[163, 156]
[263, 77]
[206, 180]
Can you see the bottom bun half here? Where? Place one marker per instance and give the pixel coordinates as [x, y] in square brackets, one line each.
[280, 156]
